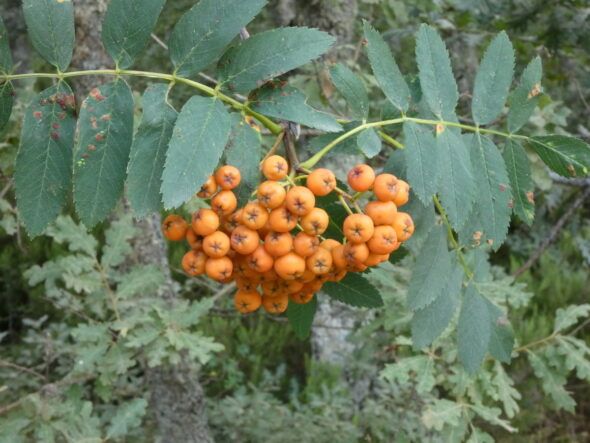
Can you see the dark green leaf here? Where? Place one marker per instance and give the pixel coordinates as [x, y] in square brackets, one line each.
[128, 416]
[431, 270]
[348, 146]
[127, 27]
[457, 190]
[200, 135]
[270, 54]
[354, 290]
[422, 157]
[352, 89]
[201, 35]
[424, 220]
[301, 317]
[290, 104]
[43, 173]
[525, 97]
[369, 143]
[106, 134]
[6, 102]
[519, 172]
[501, 335]
[398, 255]
[51, 29]
[5, 55]
[244, 151]
[436, 76]
[397, 164]
[148, 152]
[337, 214]
[386, 70]
[493, 80]
[568, 156]
[473, 330]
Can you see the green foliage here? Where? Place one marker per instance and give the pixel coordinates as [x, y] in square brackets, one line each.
[354, 290]
[352, 89]
[6, 103]
[5, 55]
[422, 158]
[568, 156]
[473, 330]
[519, 173]
[369, 143]
[301, 317]
[525, 97]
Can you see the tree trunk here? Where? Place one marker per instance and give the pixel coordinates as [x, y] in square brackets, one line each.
[176, 396]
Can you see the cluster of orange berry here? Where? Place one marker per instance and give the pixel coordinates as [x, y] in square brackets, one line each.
[273, 247]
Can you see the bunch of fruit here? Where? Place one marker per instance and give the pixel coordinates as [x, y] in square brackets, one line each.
[273, 249]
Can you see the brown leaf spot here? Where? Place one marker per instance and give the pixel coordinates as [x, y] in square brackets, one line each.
[91, 148]
[38, 115]
[502, 187]
[570, 168]
[490, 242]
[440, 128]
[96, 95]
[99, 137]
[536, 90]
[55, 135]
[85, 156]
[530, 196]
[106, 117]
[511, 203]
[477, 237]
[93, 122]
[55, 125]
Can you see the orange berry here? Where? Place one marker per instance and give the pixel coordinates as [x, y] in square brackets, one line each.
[336, 275]
[403, 193]
[208, 189]
[315, 222]
[260, 260]
[174, 227]
[300, 200]
[246, 284]
[205, 222]
[375, 259]
[269, 276]
[244, 240]
[278, 244]
[385, 187]
[321, 182]
[275, 167]
[330, 244]
[216, 245]
[228, 177]
[314, 285]
[219, 268]
[193, 240]
[289, 266]
[358, 228]
[305, 244]
[361, 178]
[282, 220]
[273, 288]
[302, 297]
[339, 258]
[193, 262]
[382, 213]
[320, 262]
[254, 216]
[275, 305]
[403, 225]
[383, 241]
[356, 253]
[247, 301]
[307, 276]
[224, 203]
[271, 194]
[292, 286]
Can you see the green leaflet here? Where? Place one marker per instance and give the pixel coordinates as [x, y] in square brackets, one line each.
[553, 382]
[106, 133]
[5, 55]
[501, 335]
[332, 206]
[386, 70]
[201, 35]
[424, 220]
[301, 317]
[525, 97]
[457, 191]
[519, 172]
[200, 135]
[51, 29]
[290, 104]
[127, 27]
[474, 329]
[352, 89]
[436, 76]
[354, 290]
[422, 158]
[493, 80]
[128, 416]
[569, 316]
[148, 152]
[43, 172]
[244, 150]
[269, 54]
[6, 102]
[568, 156]
[431, 270]
[369, 143]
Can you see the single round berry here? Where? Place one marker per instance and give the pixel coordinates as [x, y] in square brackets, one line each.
[244, 240]
[320, 262]
[403, 193]
[282, 220]
[275, 305]
[275, 167]
[254, 216]
[219, 269]
[260, 260]
[315, 222]
[361, 178]
[205, 222]
[208, 189]
[381, 212]
[193, 263]
[358, 228]
[224, 203]
[383, 241]
[228, 177]
[174, 227]
[305, 244]
[300, 200]
[403, 225]
[216, 245]
[385, 187]
[247, 301]
[289, 266]
[278, 244]
[321, 182]
[271, 194]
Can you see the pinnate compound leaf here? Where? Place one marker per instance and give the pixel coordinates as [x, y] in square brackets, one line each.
[493, 80]
[352, 89]
[525, 97]
[269, 54]
[199, 137]
[148, 152]
[43, 173]
[106, 133]
[431, 270]
[5, 55]
[436, 75]
[568, 156]
[441, 412]
[521, 182]
[386, 70]
[457, 191]
[51, 29]
[354, 290]
[202, 34]
[474, 329]
[6, 102]
[553, 382]
[291, 104]
[128, 416]
[127, 27]
[301, 317]
[369, 143]
[567, 317]
[423, 162]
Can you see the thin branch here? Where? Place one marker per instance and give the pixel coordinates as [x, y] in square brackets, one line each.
[7, 364]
